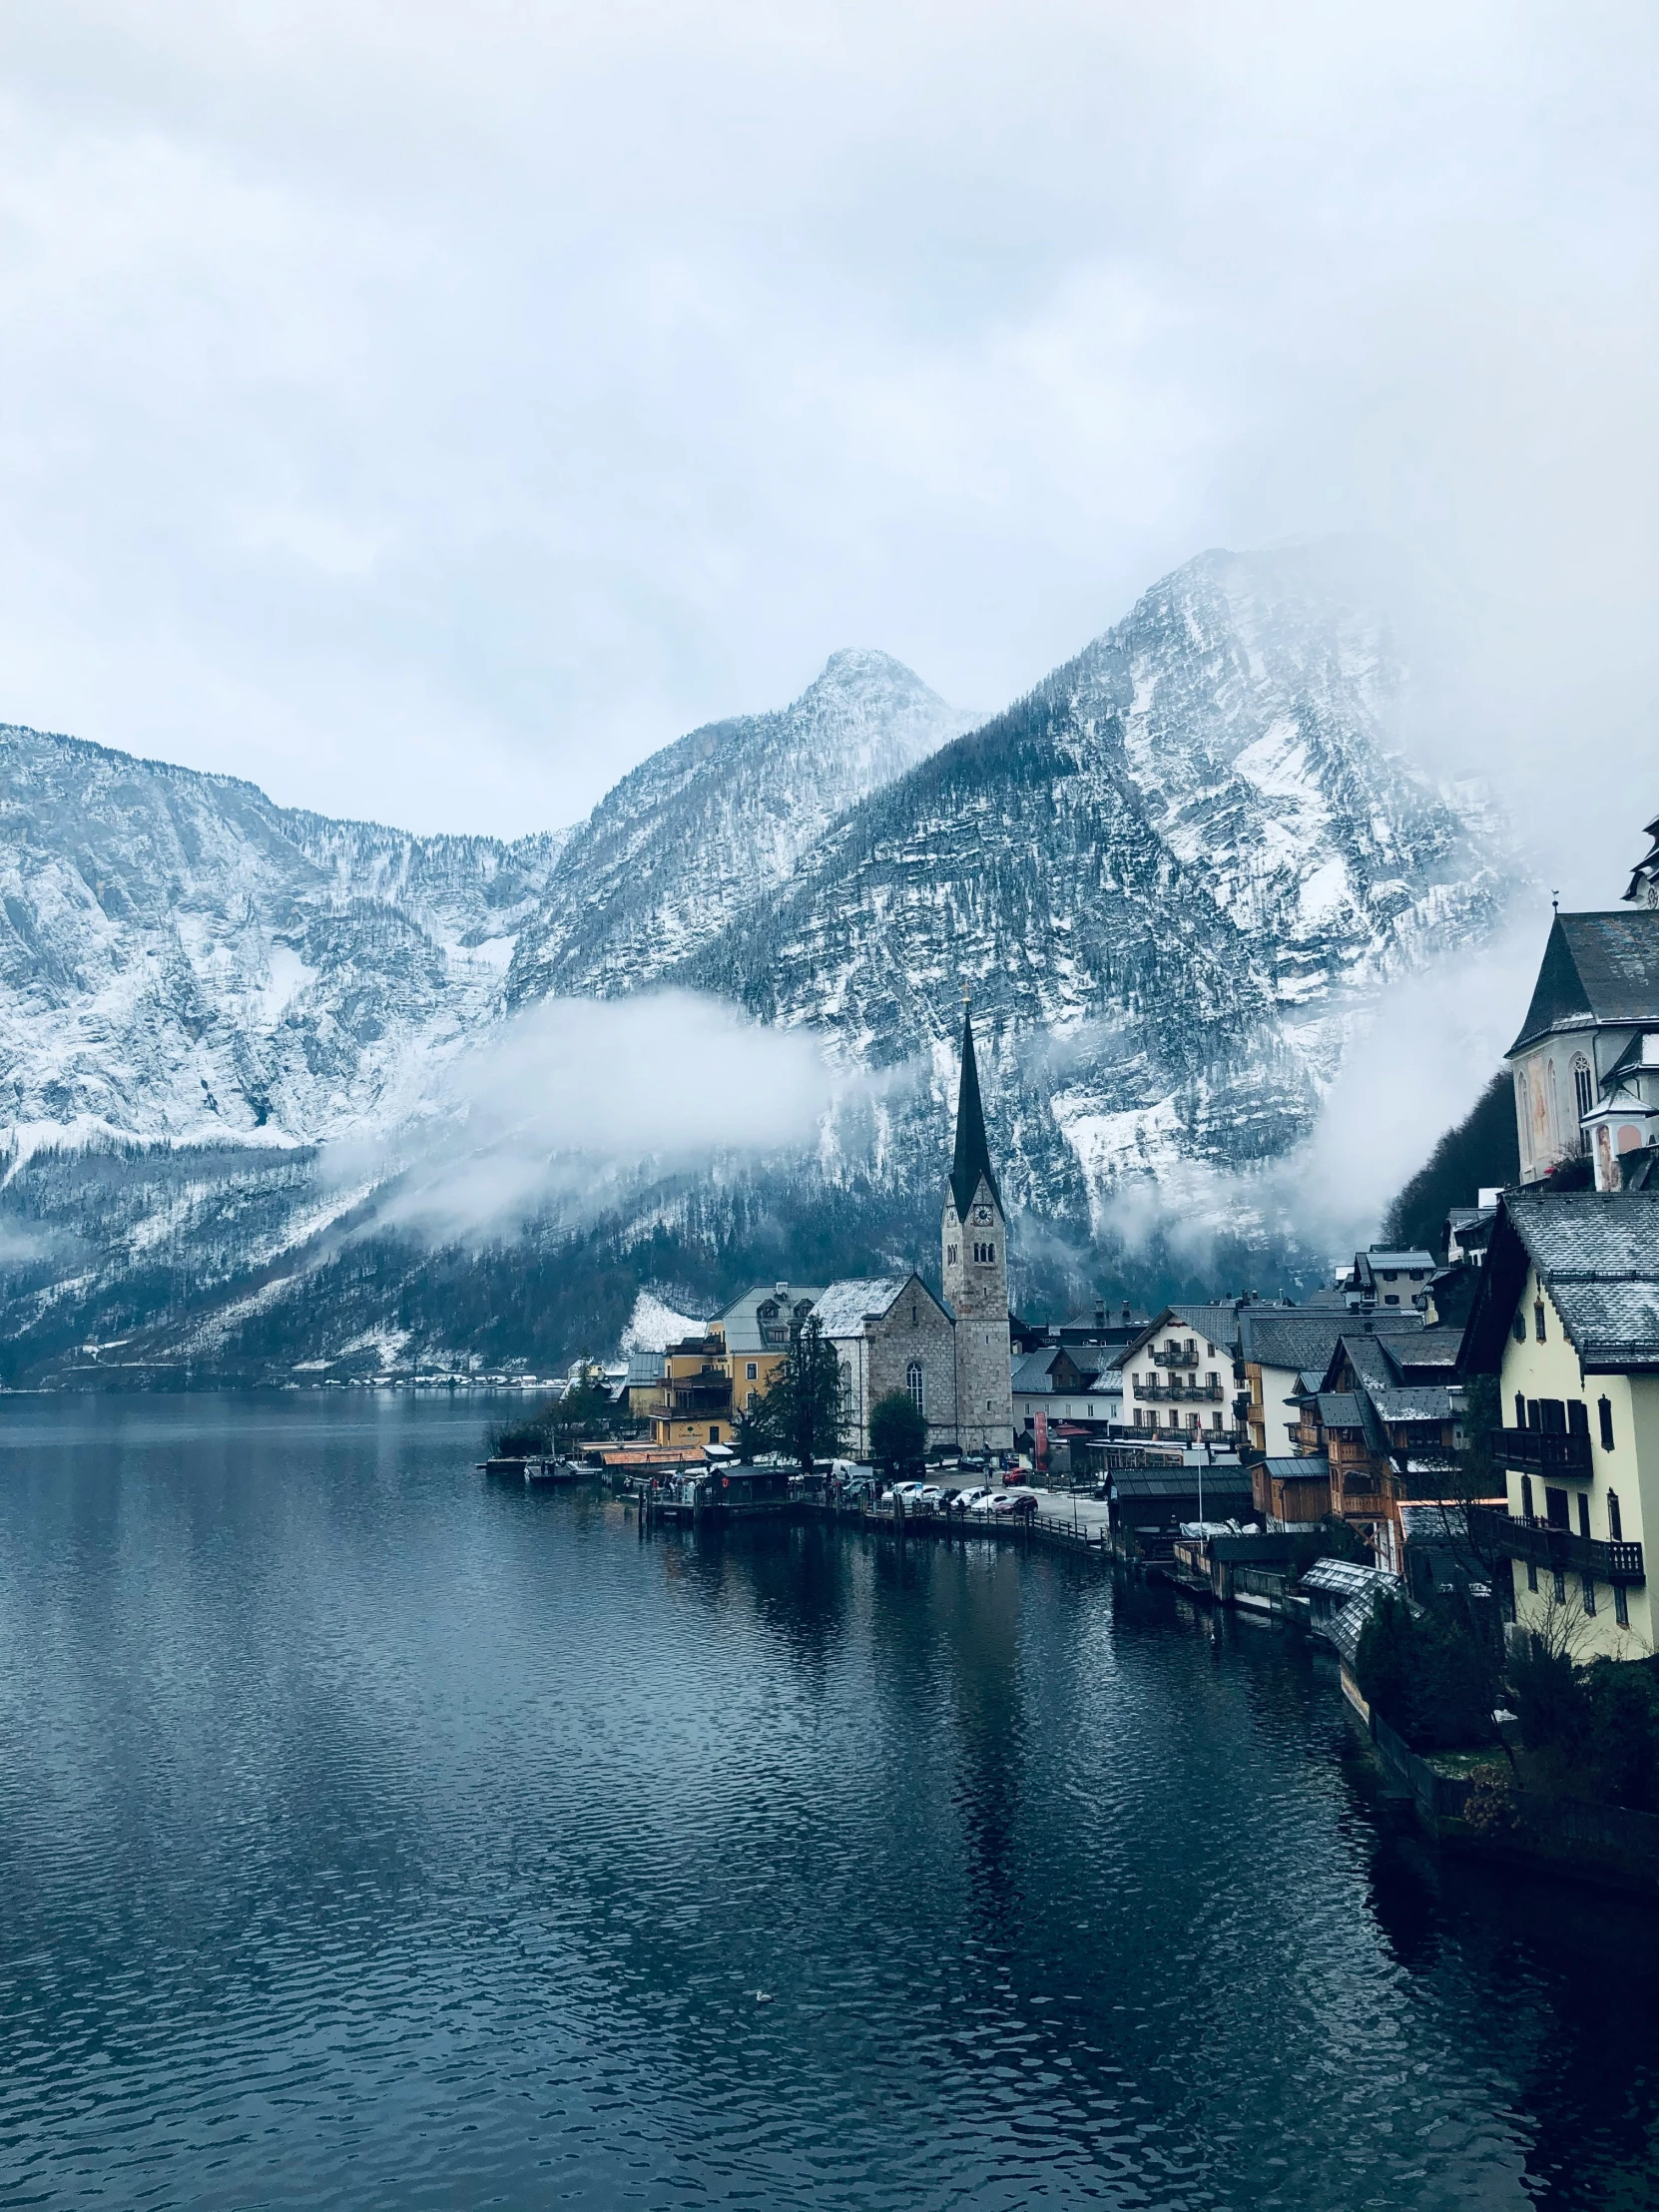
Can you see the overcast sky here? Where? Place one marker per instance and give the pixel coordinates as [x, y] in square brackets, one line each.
[427, 410]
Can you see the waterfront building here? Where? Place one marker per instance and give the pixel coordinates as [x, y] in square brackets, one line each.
[1567, 1319]
[690, 1403]
[754, 1331]
[1279, 1347]
[973, 1236]
[1177, 1376]
[889, 1333]
[953, 1357]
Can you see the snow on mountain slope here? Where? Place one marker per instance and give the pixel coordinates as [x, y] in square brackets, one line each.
[699, 832]
[1176, 877]
[1172, 876]
[181, 958]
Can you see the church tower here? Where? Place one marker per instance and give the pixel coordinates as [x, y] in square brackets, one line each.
[975, 1241]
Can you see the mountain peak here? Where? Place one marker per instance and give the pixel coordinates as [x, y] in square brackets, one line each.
[862, 670]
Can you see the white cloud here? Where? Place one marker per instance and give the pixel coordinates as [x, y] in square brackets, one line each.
[576, 1102]
[426, 411]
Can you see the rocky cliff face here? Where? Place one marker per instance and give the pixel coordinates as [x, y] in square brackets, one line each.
[1170, 876]
[1173, 876]
[180, 958]
[693, 839]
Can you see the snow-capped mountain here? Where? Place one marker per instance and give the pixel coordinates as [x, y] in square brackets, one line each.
[180, 958]
[1174, 876]
[692, 838]
[1170, 876]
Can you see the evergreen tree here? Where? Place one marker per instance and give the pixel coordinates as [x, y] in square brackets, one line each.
[801, 1414]
[1481, 1152]
[897, 1432]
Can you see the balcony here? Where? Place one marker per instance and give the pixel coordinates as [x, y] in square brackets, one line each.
[1542, 1451]
[1559, 1549]
[1180, 1393]
[693, 1403]
[1176, 1356]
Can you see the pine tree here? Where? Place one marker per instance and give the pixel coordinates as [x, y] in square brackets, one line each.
[802, 1414]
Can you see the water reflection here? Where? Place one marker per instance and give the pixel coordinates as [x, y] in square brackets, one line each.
[371, 1835]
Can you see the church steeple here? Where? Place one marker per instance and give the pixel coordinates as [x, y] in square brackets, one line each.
[975, 1254]
[1644, 879]
[973, 1154]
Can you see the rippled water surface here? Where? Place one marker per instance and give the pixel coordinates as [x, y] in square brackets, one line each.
[372, 1835]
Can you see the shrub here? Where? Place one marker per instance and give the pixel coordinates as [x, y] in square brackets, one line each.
[1621, 1748]
[1549, 1701]
[1427, 1675]
[897, 1430]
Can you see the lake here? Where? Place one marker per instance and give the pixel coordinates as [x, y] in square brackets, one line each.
[373, 1834]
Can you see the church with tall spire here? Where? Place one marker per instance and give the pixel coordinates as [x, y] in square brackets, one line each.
[974, 1240]
[953, 1357]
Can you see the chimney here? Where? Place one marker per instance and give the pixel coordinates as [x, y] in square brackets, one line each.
[780, 1290]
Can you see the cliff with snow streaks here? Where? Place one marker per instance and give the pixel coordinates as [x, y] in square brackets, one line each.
[180, 958]
[1174, 875]
[687, 844]
[1170, 876]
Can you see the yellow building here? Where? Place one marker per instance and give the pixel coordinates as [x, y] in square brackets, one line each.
[753, 1335]
[708, 1381]
[691, 1406]
[1567, 1319]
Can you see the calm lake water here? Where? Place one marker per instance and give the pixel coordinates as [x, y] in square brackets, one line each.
[371, 1835]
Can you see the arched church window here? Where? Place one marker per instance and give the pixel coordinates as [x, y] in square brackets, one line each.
[1583, 1088]
[916, 1384]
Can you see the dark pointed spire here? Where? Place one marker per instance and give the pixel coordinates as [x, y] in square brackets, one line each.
[973, 1154]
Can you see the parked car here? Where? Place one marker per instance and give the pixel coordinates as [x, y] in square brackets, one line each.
[931, 1494]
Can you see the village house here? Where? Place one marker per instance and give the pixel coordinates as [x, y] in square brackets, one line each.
[689, 1405]
[1384, 1419]
[1567, 1319]
[754, 1331]
[1177, 1376]
[1074, 1383]
[1281, 1347]
[1381, 1278]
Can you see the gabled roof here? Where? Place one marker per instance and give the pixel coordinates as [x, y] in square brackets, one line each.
[973, 1154]
[844, 1306]
[739, 1322]
[1597, 968]
[1342, 1409]
[1301, 1339]
[1035, 1371]
[1598, 1254]
[1427, 1401]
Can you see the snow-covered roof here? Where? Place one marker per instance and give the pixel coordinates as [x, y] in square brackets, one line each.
[843, 1308]
[742, 1325]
